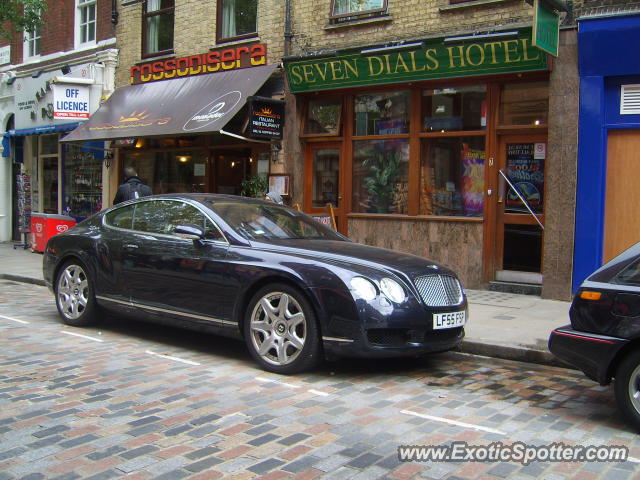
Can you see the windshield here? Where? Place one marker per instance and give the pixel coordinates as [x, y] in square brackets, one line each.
[266, 221]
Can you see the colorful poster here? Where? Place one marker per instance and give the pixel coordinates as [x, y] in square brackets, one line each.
[472, 180]
[525, 169]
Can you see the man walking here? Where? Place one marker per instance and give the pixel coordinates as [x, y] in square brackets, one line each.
[133, 187]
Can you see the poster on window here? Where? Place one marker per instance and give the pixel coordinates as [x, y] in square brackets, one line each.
[472, 180]
[525, 169]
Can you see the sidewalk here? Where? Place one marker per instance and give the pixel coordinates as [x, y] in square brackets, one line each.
[501, 325]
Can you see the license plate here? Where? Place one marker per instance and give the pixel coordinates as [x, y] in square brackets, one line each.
[448, 320]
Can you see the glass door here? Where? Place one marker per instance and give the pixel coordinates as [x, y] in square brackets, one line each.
[520, 208]
[323, 184]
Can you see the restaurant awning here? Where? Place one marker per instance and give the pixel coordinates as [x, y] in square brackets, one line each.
[183, 106]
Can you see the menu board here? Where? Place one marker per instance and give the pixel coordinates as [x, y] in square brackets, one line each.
[525, 169]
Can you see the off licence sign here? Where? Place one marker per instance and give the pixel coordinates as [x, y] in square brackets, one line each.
[71, 101]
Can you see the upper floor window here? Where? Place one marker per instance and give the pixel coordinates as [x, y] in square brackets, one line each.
[351, 9]
[157, 27]
[32, 43]
[237, 19]
[86, 21]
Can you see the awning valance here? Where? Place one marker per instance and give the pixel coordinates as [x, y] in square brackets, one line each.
[184, 106]
[59, 127]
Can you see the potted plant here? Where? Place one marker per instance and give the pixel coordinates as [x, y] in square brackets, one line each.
[384, 173]
[254, 186]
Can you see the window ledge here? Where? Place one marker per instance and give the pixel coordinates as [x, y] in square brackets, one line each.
[471, 4]
[231, 43]
[358, 23]
[404, 217]
[160, 56]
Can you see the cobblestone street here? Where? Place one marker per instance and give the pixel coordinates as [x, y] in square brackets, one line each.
[138, 400]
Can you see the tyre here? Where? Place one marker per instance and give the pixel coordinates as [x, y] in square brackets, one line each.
[281, 330]
[74, 295]
[627, 388]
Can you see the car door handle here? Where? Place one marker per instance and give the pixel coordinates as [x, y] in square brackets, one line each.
[130, 246]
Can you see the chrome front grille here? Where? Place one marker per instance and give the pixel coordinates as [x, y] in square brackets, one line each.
[439, 290]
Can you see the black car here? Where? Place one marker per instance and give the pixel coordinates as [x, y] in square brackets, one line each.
[293, 288]
[603, 339]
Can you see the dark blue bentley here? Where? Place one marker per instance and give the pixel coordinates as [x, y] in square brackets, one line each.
[291, 287]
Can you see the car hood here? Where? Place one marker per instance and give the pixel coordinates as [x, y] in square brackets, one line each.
[348, 254]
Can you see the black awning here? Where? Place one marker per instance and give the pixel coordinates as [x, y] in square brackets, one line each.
[184, 106]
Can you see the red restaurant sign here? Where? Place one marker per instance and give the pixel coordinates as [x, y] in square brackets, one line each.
[214, 61]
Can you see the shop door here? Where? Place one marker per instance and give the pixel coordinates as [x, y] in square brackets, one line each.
[622, 195]
[323, 184]
[231, 168]
[520, 209]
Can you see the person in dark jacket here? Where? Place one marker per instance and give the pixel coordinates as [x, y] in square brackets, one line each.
[133, 187]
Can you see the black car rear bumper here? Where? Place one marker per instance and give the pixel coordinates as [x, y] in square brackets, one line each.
[588, 352]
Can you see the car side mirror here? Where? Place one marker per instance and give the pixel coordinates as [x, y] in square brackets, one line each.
[191, 232]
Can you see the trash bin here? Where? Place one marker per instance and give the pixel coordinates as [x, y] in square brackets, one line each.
[46, 225]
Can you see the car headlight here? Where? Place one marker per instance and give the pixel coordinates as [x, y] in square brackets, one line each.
[363, 288]
[393, 290]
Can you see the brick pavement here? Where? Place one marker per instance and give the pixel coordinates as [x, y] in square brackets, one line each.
[120, 401]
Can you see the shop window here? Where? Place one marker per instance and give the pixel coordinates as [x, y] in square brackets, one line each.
[459, 108]
[452, 176]
[237, 19]
[323, 117]
[347, 10]
[524, 104]
[380, 176]
[326, 175]
[382, 113]
[86, 21]
[82, 182]
[157, 27]
[173, 171]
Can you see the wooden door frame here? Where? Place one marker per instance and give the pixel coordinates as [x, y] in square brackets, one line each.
[340, 209]
[494, 227]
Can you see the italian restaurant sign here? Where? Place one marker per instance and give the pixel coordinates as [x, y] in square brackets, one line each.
[436, 59]
[266, 118]
[214, 61]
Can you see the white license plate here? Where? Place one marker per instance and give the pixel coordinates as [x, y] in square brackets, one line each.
[448, 320]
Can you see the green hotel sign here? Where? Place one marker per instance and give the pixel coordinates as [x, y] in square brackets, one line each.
[436, 59]
[546, 28]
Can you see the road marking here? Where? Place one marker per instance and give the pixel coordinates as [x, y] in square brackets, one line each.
[14, 319]
[318, 392]
[82, 336]
[231, 415]
[284, 384]
[170, 357]
[453, 422]
[633, 459]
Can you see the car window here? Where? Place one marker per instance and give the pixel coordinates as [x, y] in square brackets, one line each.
[271, 221]
[630, 275]
[181, 213]
[120, 217]
[150, 216]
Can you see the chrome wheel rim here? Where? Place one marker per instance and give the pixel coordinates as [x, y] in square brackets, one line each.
[278, 328]
[73, 292]
[634, 388]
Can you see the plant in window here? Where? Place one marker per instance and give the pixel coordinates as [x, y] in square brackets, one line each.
[384, 173]
[254, 186]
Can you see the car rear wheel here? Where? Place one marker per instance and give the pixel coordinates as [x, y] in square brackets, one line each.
[627, 387]
[281, 330]
[74, 295]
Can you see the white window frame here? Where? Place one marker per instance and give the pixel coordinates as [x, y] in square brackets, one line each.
[80, 6]
[30, 40]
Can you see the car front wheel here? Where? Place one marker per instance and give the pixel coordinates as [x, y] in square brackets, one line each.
[74, 295]
[627, 387]
[281, 330]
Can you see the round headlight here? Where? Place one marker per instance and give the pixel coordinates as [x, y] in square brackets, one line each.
[393, 290]
[363, 288]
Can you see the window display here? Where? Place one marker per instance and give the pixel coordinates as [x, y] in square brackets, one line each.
[382, 113]
[82, 181]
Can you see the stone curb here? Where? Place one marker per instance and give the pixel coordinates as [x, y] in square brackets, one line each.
[23, 279]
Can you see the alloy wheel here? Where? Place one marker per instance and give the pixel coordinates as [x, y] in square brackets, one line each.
[73, 292]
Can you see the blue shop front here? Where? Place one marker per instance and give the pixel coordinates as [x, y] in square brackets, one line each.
[607, 213]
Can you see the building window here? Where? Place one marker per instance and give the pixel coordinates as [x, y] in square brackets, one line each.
[32, 43]
[157, 27]
[237, 19]
[382, 113]
[86, 21]
[450, 109]
[345, 10]
[524, 104]
[323, 117]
